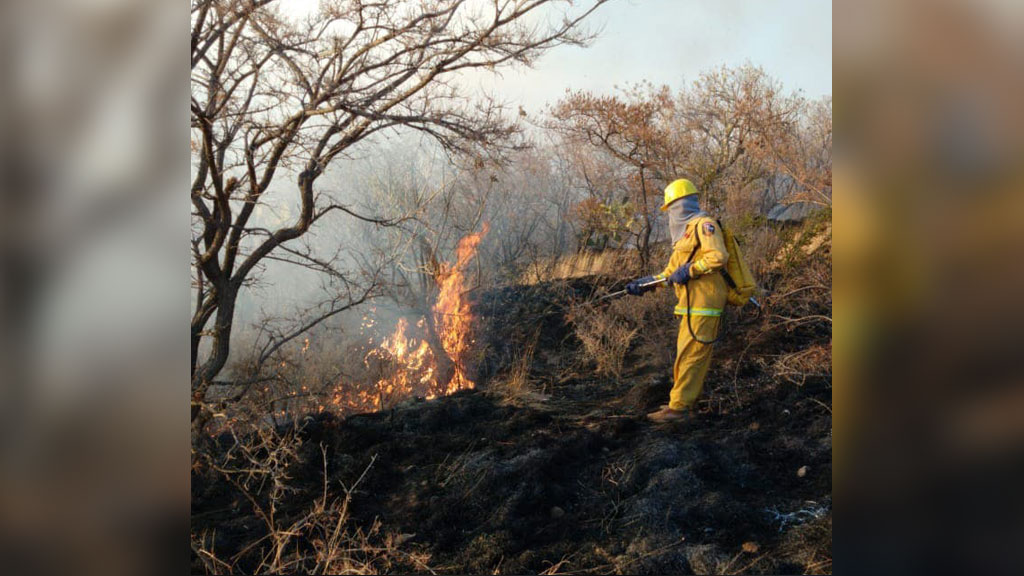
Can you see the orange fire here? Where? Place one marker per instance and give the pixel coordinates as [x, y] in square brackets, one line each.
[409, 363]
[452, 314]
[413, 364]
[404, 365]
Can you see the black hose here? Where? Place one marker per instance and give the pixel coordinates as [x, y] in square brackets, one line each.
[689, 309]
[689, 315]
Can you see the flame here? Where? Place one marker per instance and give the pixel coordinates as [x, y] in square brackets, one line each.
[416, 372]
[414, 364]
[411, 364]
[407, 365]
[452, 314]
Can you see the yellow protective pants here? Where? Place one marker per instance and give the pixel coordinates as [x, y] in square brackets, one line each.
[692, 360]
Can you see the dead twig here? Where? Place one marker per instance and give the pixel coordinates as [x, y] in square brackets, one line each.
[822, 404]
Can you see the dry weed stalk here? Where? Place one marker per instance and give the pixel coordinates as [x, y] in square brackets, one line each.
[517, 388]
[321, 540]
[604, 335]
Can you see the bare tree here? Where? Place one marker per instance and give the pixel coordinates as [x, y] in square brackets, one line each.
[801, 149]
[524, 207]
[277, 99]
[728, 123]
[731, 129]
[631, 130]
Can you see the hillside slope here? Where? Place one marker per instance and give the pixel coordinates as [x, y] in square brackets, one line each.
[568, 476]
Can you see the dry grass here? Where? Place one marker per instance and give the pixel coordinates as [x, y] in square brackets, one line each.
[798, 366]
[320, 540]
[653, 317]
[615, 477]
[604, 336]
[760, 246]
[810, 545]
[517, 388]
[609, 329]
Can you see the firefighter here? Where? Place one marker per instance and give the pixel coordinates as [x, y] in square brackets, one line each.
[698, 254]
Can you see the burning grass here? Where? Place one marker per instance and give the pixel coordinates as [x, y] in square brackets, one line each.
[409, 366]
[425, 357]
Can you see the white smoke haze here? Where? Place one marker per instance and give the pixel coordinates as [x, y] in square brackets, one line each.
[402, 176]
[524, 203]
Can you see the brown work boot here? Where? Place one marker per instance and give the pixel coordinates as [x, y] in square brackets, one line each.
[667, 414]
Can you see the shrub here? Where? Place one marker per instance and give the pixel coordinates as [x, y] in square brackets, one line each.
[607, 330]
[604, 336]
[760, 246]
[516, 387]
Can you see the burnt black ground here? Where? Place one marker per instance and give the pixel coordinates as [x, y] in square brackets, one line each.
[574, 473]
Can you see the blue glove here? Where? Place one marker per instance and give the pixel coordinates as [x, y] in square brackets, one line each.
[636, 287]
[681, 275]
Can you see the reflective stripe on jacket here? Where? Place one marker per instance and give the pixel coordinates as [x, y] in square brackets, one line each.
[683, 311]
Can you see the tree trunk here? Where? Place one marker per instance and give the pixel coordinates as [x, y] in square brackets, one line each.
[445, 365]
[644, 245]
[644, 239]
[221, 337]
[196, 338]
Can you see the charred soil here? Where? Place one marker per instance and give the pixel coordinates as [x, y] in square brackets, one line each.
[566, 475]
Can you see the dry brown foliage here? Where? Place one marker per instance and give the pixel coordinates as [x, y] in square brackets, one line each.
[609, 329]
[605, 338]
[798, 366]
[516, 387]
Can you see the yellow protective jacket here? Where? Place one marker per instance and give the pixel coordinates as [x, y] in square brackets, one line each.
[708, 290]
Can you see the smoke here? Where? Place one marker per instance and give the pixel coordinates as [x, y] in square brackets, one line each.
[391, 184]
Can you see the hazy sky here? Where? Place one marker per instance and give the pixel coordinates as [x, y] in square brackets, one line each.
[672, 41]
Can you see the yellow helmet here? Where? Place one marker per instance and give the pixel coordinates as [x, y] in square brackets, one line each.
[676, 190]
